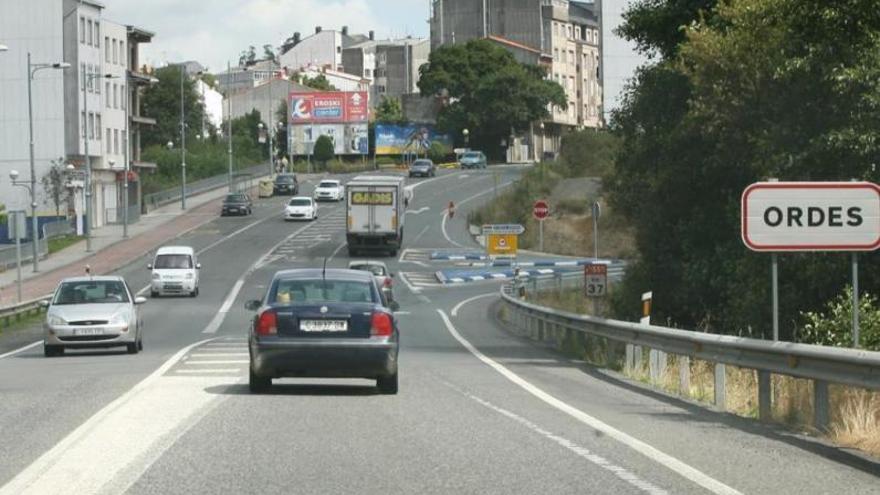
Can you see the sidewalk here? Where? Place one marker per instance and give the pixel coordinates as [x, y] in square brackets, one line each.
[109, 249]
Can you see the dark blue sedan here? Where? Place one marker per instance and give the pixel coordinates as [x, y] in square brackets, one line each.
[318, 323]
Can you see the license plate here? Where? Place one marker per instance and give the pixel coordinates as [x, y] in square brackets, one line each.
[323, 325]
[84, 332]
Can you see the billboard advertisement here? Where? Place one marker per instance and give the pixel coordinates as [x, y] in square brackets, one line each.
[408, 138]
[329, 107]
[348, 139]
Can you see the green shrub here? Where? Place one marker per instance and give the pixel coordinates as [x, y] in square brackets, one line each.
[324, 150]
[573, 206]
[438, 152]
[833, 327]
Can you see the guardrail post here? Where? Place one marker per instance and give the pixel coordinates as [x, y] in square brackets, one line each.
[765, 396]
[720, 386]
[821, 414]
[637, 357]
[657, 365]
[684, 376]
[630, 359]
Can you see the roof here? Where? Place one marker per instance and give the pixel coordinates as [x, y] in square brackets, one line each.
[102, 278]
[175, 250]
[394, 179]
[513, 44]
[329, 274]
[139, 34]
[583, 12]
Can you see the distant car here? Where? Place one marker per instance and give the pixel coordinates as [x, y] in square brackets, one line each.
[329, 190]
[174, 270]
[93, 312]
[301, 208]
[286, 184]
[379, 269]
[237, 204]
[472, 159]
[323, 323]
[422, 168]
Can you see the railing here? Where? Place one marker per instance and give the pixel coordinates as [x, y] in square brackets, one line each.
[241, 179]
[60, 228]
[116, 216]
[8, 256]
[823, 365]
[10, 314]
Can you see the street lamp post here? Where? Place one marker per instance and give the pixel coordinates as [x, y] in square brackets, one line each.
[182, 142]
[229, 117]
[88, 185]
[13, 175]
[32, 70]
[466, 134]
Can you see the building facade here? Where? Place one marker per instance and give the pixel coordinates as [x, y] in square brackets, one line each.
[79, 112]
[322, 49]
[391, 66]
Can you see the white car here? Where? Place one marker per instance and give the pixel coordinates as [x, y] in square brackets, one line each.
[330, 190]
[301, 208]
[175, 270]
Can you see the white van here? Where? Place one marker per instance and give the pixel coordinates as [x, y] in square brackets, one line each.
[175, 270]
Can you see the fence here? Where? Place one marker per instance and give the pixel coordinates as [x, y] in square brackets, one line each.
[242, 179]
[116, 216]
[8, 257]
[823, 365]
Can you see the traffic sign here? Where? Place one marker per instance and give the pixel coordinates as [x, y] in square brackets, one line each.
[596, 280]
[811, 216]
[541, 210]
[502, 244]
[503, 229]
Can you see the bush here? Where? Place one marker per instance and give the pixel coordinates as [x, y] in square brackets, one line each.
[573, 206]
[833, 327]
[438, 152]
[324, 149]
[588, 153]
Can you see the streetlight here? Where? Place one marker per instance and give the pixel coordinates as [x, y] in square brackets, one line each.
[182, 140]
[88, 185]
[466, 134]
[32, 70]
[3, 48]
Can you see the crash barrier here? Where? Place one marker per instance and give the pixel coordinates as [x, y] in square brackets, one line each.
[822, 365]
[242, 180]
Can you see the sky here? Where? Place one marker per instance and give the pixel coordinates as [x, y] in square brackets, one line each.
[216, 31]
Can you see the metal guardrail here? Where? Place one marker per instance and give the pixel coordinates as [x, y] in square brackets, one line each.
[821, 364]
[58, 229]
[14, 313]
[162, 198]
[8, 257]
[116, 216]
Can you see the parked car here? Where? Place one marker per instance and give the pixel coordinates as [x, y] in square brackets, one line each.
[422, 168]
[87, 312]
[237, 204]
[379, 269]
[329, 190]
[174, 270]
[323, 323]
[301, 208]
[472, 159]
[286, 184]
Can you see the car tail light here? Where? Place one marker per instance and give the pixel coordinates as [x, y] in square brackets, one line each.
[382, 325]
[394, 222]
[267, 323]
[387, 282]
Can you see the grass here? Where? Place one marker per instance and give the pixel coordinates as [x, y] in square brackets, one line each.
[58, 243]
[21, 323]
[855, 413]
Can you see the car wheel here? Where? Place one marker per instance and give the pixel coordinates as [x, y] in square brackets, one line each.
[258, 383]
[154, 294]
[195, 293]
[52, 350]
[387, 384]
[132, 348]
[141, 344]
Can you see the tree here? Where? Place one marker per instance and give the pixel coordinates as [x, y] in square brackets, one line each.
[389, 111]
[162, 102]
[490, 93]
[247, 57]
[438, 152]
[318, 82]
[324, 149]
[268, 52]
[658, 26]
[281, 132]
[54, 187]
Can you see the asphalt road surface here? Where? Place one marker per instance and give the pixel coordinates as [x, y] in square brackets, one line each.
[479, 411]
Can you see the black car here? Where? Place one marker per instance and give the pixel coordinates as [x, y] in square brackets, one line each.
[422, 168]
[318, 323]
[236, 204]
[286, 184]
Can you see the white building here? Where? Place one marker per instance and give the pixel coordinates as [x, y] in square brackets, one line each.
[213, 101]
[74, 109]
[322, 49]
[339, 80]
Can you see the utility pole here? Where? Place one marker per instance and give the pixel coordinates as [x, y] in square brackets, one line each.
[229, 116]
[182, 141]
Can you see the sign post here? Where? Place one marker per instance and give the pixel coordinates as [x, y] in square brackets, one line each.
[541, 210]
[596, 280]
[597, 212]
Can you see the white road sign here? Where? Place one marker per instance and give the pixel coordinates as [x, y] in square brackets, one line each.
[811, 216]
[596, 280]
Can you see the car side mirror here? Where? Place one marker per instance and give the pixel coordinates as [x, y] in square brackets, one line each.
[150, 266]
[198, 266]
[394, 306]
[253, 305]
[140, 300]
[44, 303]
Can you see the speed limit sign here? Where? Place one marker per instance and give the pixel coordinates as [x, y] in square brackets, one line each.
[596, 280]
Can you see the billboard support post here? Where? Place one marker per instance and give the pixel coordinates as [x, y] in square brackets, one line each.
[774, 282]
[855, 299]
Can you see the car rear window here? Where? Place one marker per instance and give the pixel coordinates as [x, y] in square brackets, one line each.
[300, 202]
[91, 292]
[173, 262]
[328, 184]
[284, 179]
[235, 198]
[421, 163]
[289, 292]
[377, 270]
[471, 155]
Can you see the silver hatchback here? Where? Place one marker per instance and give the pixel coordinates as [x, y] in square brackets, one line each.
[89, 312]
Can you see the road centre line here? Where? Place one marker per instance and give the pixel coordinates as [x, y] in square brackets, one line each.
[470, 300]
[639, 446]
[21, 349]
[465, 201]
[190, 362]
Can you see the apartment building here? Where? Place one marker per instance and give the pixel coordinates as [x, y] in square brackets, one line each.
[322, 49]
[391, 66]
[78, 112]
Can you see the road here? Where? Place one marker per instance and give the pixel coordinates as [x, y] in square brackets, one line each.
[479, 411]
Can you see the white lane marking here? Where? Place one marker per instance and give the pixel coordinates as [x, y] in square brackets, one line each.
[90, 455]
[470, 300]
[402, 313]
[410, 286]
[465, 201]
[639, 446]
[423, 232]
[197, 362]
[411, 189]
[619, 471]
[419, 211]
[208, 371]
[21, 349]
[217, 354]
[336, 251]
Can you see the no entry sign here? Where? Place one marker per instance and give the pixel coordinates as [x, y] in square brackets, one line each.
[541, 210]
[811, 216]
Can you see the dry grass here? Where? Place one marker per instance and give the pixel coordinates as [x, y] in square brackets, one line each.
[855, 416]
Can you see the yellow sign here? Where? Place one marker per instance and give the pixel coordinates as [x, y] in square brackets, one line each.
[502, 244]
[372, 198]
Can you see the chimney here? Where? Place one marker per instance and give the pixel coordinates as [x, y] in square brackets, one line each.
[345, 30]
[296, 38]
[317, 29]
[372, 35]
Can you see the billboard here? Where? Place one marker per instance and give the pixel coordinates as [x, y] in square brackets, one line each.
[348, 139]
[329, 107]
[408, 138]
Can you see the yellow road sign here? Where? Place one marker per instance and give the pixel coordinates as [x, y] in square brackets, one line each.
[502, 244]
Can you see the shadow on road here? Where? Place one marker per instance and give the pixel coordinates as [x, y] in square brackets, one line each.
[299, 389]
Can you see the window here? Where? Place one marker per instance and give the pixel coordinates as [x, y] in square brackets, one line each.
[98, 127]
[115, 52]
[97, 83]
[569, 30]
[367, 73]
[380, 89]
[109, 103]
[91, 34]
[91, 125]
[82, 71]
[107, 49]
[109, 141]
[122, 52]
[123, 96]
[124, 144]
[83, 133]
[571, 56]
[338, 49]
[97, 35]
[91, 292]
[564, 59]
[556, 54]
[577, 32]
[115, 141]
[116, 95]
[82, 30]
